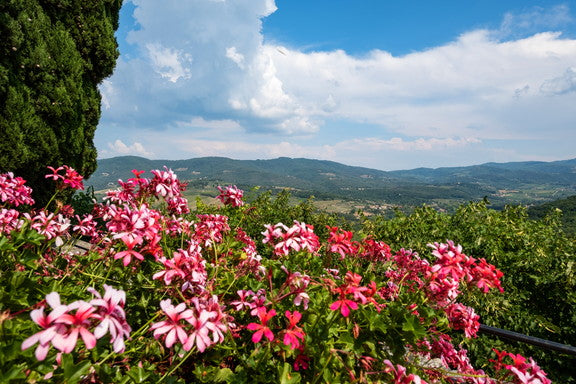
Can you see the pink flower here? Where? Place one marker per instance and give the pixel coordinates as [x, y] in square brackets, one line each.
[207, 320]
[126, 255]
[210, 229]
[166, 184]
[399, 374]
[172, 327]
[71, 178]
[200, 335]
[110, 312]
[186, 266]
[86, 226]
[340, 241]
[13, 191]
[463, 318]
[262, 329]
[49, 325]
[9, 220]
[345, 306]
[297, 238]
[244, 295]
[293, 335]
[76, 325]
[487, 276]
[231, 195]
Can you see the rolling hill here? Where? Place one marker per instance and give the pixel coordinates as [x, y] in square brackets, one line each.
[502, 183]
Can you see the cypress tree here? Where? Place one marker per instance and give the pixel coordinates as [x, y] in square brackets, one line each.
[53, 55]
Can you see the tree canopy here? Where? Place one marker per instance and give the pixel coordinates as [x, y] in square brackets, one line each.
[53, 55]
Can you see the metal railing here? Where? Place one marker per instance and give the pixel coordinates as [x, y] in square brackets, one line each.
[552, 345]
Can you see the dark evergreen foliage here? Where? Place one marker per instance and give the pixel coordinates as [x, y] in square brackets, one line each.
[53, 55]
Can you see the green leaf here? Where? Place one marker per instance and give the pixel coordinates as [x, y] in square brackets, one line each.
[287, 376]
[138, 374]
[15, 372]
[74, 372]
[412, 325]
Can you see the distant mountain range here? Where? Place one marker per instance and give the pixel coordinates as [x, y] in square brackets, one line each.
[502, 183]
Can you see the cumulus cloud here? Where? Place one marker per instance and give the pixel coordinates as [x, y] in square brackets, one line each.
[118, 148]
[201, 58]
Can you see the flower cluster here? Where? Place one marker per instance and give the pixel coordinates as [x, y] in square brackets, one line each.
[231, 195]
[88, 320]
[13, 190]
[299, 237]
[452, 263]
[520, 370]
[70, 178]
[350, 294]
[201, 325]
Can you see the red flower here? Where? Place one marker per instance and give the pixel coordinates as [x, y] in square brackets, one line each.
[231, 195]
[345, 306]
[262, 329]
[294, 334]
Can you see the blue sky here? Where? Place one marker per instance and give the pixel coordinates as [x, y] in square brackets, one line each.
[376, 83]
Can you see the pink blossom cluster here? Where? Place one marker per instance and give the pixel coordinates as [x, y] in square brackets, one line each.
[210, 229]
[299, 237]
[340, 241]
[454, 359]
[200, 323]
[521, 370]
[351, 293]
[463, 318]
[9, 221]
[13, 190]
[50, 225]
[296, 285]
[134, 226]
[187, 267]
[374, 251]
[88, 320]
[399, 375]
[70, 178]
[251, 262]
[451, 262]
[164, 186]
[231, 195]
[292, 336]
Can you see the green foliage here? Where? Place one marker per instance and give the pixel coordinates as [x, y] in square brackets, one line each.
[53, 55]
[568, 208]
[538, 260]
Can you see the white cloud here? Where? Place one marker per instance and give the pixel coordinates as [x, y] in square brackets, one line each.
[118, 148]
[562, 84]
[236, 57]
[533, 20]
[452, 90]
[169, 63]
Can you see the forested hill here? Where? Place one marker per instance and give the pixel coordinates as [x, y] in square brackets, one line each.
[501, 183]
